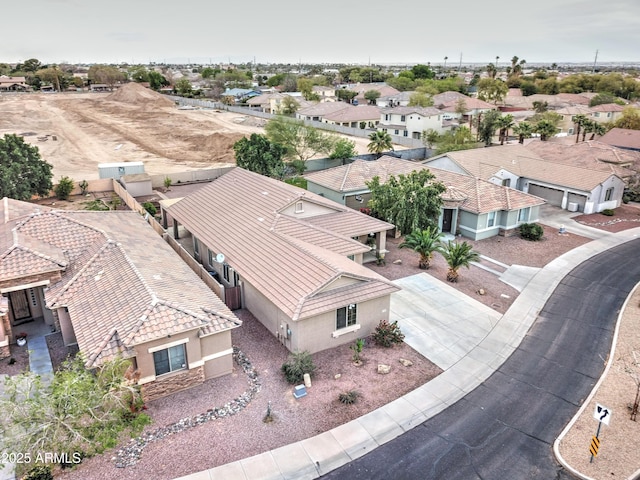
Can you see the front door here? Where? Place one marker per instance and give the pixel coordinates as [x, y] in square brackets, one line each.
[447, 219]
[19, 305]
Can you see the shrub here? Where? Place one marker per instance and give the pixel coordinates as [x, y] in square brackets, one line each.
[348, 398]
[39, 472]
[84, 186]
[608, 212]
[150, 207]
[167, 182]
[387, 334]
[297, 365]
[97, 205]
[626, 199]
[63, 188]
[531, 231]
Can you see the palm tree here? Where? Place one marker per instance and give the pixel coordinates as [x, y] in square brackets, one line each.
[523, 130]
[380, 141]
[546, 129]
[458, 255]
[504, 123]
[445, 63]
[597, 129]
[579, 121]
[424, 242]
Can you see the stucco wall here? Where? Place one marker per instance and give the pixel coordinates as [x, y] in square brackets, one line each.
[326, 192]
[274, 320]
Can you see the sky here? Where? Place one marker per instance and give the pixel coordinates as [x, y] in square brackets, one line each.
[328, 31]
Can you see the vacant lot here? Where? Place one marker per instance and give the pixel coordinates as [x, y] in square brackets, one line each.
[77, 131]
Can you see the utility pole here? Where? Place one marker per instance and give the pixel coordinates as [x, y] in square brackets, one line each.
[594, 63]
[460, 64]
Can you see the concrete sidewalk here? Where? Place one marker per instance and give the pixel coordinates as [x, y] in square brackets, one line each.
[434, 319]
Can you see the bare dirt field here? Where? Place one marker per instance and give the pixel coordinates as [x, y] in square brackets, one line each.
[77, 131]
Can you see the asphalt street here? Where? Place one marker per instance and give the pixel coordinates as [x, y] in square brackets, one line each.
[506, 427]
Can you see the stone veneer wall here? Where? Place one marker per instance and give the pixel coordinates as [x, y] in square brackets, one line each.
[5, 352]
[172, 384]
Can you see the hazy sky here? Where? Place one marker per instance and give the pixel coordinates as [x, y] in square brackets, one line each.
[344, 31]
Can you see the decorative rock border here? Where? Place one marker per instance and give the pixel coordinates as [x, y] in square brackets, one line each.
[130, 454]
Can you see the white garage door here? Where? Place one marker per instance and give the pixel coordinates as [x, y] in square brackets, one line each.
[553, 196]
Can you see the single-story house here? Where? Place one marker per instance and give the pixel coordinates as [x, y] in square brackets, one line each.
[318, 111]
[13, 84]
[353, 116]
[475, 208]
[570, 186]
[293, 258]
[112, 286]
[326, 94]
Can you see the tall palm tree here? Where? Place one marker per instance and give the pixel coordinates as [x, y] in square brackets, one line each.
[597, 129]
[523, 130]
[458, 255]
[504, 123]
[579, 121]
[380, 142]
[445, 63]
[425, 243]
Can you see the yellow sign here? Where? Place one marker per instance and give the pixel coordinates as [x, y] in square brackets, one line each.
[595, 444]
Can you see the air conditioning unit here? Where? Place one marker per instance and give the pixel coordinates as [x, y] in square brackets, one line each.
[572, 207]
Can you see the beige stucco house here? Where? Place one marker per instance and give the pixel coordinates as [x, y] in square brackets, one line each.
[112, 286]
[570, 176]
[472, 207]
[293, 258]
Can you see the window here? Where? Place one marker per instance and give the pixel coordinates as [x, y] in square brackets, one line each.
[506, 182]
[170, 359]
[210, 257]
[225, 271]
[491, 219]
[386, 117]
[299, 207]
[196, 246]
[608, 194]
[608, 114]
[346, 316]
[596, 114]
[396, 132]
[405, 133]
[523, 214]
[403, 118]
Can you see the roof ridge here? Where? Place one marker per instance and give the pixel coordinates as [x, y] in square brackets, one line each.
[96, 353]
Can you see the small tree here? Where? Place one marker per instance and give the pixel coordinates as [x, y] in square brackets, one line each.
[531, 231]
[301, 142]
[430, 137]
[425, 243]
[167, 182]
[150, 208]
[258, 154]
[23, 173]
[487, 126]
[64, 188]
[343, 149]
[371, 96]
[84, 186]
[458, 255]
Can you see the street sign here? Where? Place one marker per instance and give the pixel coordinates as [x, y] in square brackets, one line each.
[602, 414]
[593, 447]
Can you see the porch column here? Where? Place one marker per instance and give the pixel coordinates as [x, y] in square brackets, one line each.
[175, 229]
[381, 243]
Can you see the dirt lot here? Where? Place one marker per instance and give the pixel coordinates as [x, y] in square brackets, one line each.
[77, 131]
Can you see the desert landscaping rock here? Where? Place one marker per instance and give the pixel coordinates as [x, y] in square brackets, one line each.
[384, 369]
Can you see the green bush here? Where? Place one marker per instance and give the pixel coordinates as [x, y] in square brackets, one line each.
[608, 212]
[626, 199]
[150, 207]
[39, 472]
[387, 334]
[96, 205]
[531, 231]
[297, 365]
[84, 186]
[63, 188]
[348, 398]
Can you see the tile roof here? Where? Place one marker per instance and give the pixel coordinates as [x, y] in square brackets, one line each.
[354, 114]
[470, 104]
[526, 162]
[121, 283]
[240, 214]
[607, 107]
[470, 193]
[424, 111]
[622, 137]
[591, 154]
[323, 108]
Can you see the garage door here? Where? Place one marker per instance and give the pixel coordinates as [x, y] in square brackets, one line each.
[553, 196]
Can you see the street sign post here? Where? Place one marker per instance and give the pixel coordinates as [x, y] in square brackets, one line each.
[603, 415]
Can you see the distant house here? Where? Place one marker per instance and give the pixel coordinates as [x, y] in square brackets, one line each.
[475, 208]
[567, 184]
[267, 102]
[241, 94]
[411, 121]
[326, 94]
[622, 138]
[353, 116]
[608, 112]
[99, 87]
[13, 84]
[318, 111]
[291, 257]
[112, 286]
[400, 99]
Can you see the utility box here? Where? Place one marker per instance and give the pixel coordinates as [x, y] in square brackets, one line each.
[117, 170]
[572, 207]
[299, 391]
